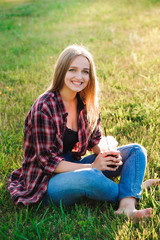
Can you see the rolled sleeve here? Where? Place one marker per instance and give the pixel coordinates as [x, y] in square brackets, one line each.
[95, 137]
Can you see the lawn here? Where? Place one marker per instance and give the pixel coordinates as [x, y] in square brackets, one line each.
[124, 37]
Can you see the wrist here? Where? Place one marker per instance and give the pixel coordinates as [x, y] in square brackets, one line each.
[92, 166]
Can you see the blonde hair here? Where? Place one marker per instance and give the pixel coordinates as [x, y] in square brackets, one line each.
[89, 94]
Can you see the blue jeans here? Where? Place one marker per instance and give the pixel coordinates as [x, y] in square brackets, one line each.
[71, 186]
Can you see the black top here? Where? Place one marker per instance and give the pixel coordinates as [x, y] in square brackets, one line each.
[69, 140]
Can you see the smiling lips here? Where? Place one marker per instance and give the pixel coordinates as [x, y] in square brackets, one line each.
[77, 83]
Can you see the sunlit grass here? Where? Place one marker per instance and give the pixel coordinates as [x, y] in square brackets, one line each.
[123, 37]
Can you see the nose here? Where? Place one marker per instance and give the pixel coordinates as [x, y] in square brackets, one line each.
[79, 75]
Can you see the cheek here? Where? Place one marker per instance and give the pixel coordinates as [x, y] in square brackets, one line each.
[87, 80]
[67, 75]
[88, 83]
[86, 77]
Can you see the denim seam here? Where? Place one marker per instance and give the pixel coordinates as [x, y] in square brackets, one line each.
[136, 172]
[134, 193]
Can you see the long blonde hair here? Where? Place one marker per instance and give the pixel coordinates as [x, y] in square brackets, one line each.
[89, 94]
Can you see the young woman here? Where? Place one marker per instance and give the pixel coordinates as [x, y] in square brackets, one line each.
[62, 124]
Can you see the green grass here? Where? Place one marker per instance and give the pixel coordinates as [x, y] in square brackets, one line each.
[123, 36]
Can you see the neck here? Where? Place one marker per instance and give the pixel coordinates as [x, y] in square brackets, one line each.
[68, 96]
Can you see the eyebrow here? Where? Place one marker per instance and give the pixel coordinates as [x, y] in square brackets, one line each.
[77, 67]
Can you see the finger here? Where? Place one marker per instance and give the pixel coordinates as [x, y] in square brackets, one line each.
[113, 169]
[117, 160]
[114, 153]
[115, 164]
[111, 158]
[119, 163]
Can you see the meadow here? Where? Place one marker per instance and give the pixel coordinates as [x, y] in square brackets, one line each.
[124, 37]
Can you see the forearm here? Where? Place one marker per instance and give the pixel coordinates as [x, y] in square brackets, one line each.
[65, 166]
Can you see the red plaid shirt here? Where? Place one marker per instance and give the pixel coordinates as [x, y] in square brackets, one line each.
[45, 126]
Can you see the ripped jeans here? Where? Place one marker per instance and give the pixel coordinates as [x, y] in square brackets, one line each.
[69, 187]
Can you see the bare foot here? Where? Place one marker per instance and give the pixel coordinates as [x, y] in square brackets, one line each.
[135, 214]
[148, 183]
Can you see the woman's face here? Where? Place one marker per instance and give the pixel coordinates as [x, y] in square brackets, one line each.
[77, 76]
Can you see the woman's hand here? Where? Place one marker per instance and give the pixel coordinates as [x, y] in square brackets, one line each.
[104, 161]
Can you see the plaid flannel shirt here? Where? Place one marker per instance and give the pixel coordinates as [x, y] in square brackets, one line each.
[45, 126]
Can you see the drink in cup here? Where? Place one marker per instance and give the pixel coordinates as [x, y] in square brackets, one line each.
[108, 143]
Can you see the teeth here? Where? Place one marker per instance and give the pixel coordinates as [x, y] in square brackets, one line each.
[77, 83]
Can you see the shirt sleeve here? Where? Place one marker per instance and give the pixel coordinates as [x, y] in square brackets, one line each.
[95, 136]
[44, 137]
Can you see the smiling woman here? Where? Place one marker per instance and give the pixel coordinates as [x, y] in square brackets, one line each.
[76, 62]
[77, 76]
[61, 126]
[75, 81]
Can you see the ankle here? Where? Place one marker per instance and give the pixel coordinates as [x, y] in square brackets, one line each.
[127, 203]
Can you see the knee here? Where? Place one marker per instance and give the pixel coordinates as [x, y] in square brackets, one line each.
[141, 149]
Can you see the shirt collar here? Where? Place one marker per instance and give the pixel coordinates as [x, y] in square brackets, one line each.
[60, 103]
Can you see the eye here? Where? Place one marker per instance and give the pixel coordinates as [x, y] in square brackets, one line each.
[71, 70]
[86, 72]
